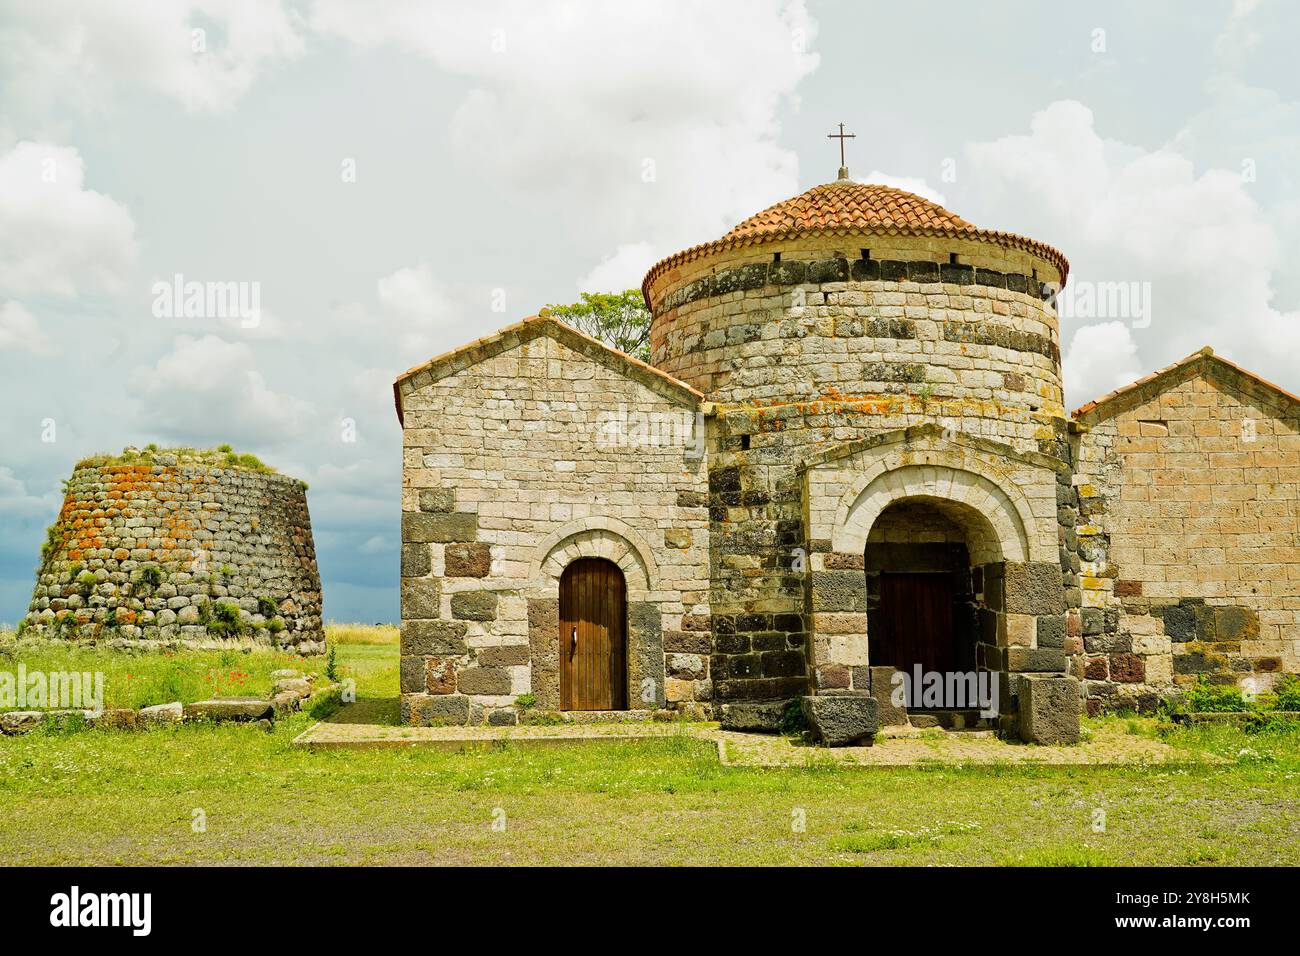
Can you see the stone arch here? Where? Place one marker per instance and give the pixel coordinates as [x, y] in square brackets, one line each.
[996, 515]
[594, 537]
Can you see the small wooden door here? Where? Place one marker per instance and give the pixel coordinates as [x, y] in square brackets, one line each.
[916, 623]
[593, 636]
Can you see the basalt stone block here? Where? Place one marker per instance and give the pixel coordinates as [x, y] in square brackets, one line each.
[882, 688]
[646, 647]
[433, 638]
[440, 676]
[544, 649]
[415, 560]
[484, 680]
[230, 708]
[411, 675]
[1051, 631]
[839, 591]
[1235, 624]
[1036, 659]
[1127, 668]
[440, 500]
[865, 270]
[1092, 620]
[502, 655]
[420, 597]
[761, 715]
[1033, 588]
[1017, 283]
[786, 272]
[472, 559]
[956, 273]
[422, 527]
[991, 278]
[687, 642]
[892, 270]
[502, 717]
[426, 710]
[838, 720]
[923, 271]
[828, 270]
[1048, 710]
[474, 606]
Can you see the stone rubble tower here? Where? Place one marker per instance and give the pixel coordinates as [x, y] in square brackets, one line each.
[167, 548]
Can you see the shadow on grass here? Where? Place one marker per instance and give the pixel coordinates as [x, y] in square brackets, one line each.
[368, 710]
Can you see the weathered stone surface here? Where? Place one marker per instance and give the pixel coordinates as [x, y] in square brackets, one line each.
[504, 655]
[440, 675]
[1051, 631]
[421, 527]
[229, 708]
[21, 721]
[423, 638]
[474, 605]
[438, 500]
[1035, 659]
[1033, 588]
[411, 674]
[502, 717]
[420, 597]
[483, 680]
[176, 534]
[881, 685]
[468, 560]
[838, 720]
[429, 711]
[544, 649]
[762, 715]
[839, 591]
[1048, 710]
[162, 713]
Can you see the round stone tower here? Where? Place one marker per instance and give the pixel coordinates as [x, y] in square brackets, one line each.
[888, 400]
[164, 547]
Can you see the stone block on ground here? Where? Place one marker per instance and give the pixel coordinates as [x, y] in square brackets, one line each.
[888, 713]
[229, 708]
[838, 720]
[762, 715]
[162, 713]
[1049, 709]
[21, 721]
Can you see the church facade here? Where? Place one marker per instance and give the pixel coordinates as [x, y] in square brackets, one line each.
[848, 460]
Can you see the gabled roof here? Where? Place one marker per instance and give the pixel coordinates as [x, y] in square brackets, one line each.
[1204, 362]
[848, 208]
[530, 328]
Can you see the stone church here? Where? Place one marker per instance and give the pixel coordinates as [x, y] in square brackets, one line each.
[849, 460]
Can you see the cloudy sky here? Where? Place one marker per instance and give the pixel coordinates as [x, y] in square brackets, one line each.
[399, 177]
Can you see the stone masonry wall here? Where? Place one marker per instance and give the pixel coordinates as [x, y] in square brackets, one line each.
[153, 550]
[531, 454]
[809, 344]
[1189, 539]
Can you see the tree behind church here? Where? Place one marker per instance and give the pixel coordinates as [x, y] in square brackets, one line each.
[619, 319]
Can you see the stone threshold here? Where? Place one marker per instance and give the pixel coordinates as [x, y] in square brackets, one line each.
[894, 746]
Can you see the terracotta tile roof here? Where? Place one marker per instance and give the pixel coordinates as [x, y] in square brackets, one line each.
[530, 328]
[849, 208]
[844, 204]
[1205, 360]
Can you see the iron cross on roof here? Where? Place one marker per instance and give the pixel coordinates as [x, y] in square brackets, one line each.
[842, 136]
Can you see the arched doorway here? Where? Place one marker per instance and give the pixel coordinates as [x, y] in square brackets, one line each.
[924, 561]
[593, 636]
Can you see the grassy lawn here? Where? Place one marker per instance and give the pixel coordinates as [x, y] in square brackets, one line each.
[130, 797]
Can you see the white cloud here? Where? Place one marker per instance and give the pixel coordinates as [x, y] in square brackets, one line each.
[417, 312]
[17, 502]
[1123, 214]
[642, 128]
[623, 270]
[56, 236]
[1100, 358]
[207, 390]
[64, 50]
[18, 330]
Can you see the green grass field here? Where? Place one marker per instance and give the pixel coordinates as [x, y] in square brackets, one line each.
[95, 797]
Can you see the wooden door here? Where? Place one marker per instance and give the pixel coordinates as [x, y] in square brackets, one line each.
[593, 636]
[916, 623]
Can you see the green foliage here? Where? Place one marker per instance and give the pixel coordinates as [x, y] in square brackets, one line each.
[225, 448]
[525, 701]
[151, 576]
[22, 626]
[86, 581]
[1207, 698]
[619, 319]
[53, 541]
[793, 723]
[267, 608]
[331, 668]
[224, 619]
[275, 625]
[110, 621]
[222, 456]
[1287, 693]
